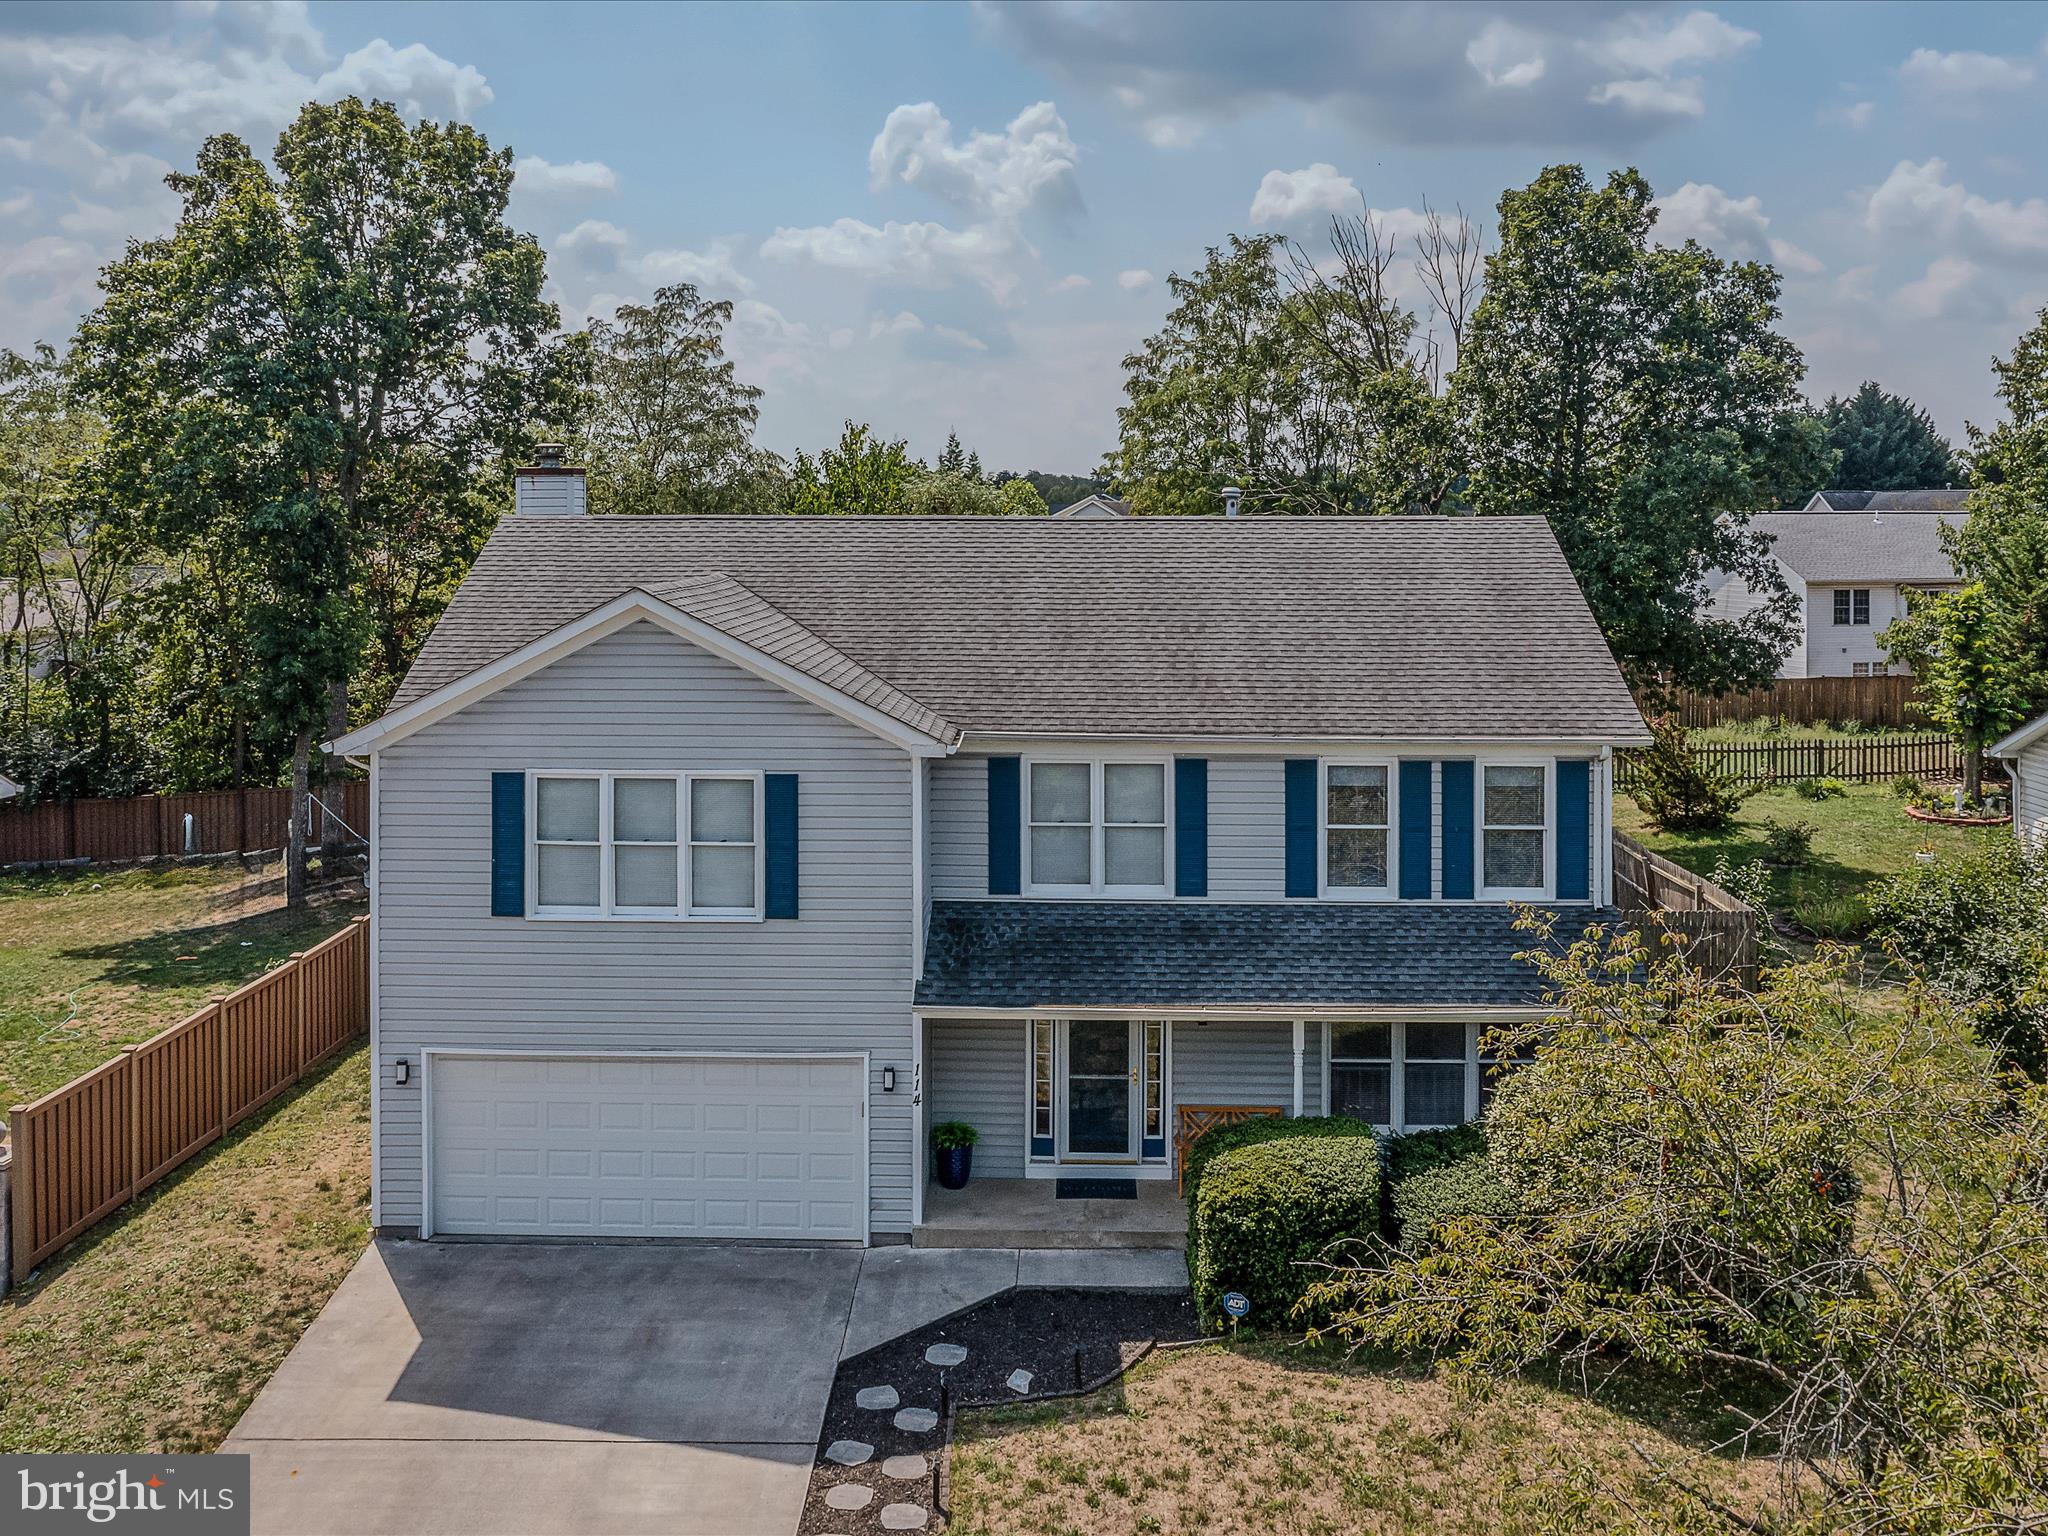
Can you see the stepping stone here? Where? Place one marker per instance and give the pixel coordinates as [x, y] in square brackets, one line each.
[903, 1517]
[917, 1421]
[876, 1397]
[1020, 1380]
[905, 1468]
[945, 1356]
[849, 1496]
[849, 1453]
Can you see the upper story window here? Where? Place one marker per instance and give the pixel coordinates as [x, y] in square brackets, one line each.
[1358, 818]
[1852, 605]
[646, 845]
[1514, 835]
[1096, 827]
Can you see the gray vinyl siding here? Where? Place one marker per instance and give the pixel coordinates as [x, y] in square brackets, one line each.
[958, 815]
[2030, 793]
[1235, 1063]
[835, 980]
[976, 1072]
[1247, 829]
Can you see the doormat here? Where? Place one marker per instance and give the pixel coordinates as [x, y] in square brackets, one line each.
[1095, 1189]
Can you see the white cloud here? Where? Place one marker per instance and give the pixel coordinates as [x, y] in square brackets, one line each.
[414, 78]
[960, 338]
[1071, 283]
[1858, 285]
[902, 323]
[14, 207]
[1853, 114]
[1952, 288]
[1027, 168]
[715, 269]
[575, 178]
[921, 253]
[1651, 98]
[1506, 56]
[1284, 197]
[1960, 82]
[1133, 279]
[1642, 44]
[593, 245]
[1733, 227]
[1920, 200]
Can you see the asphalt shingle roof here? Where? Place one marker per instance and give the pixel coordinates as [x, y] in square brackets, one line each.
[1839, 546]
[1945, 499]
[1082, 954]
[1327, 628]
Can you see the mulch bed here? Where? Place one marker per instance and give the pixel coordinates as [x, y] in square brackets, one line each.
[1064, 1338]
[1949, 819]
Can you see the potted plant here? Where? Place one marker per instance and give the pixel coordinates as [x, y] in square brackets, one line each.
[954, 1141]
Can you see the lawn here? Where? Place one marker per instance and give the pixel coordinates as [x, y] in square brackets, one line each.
[1271, 1438]
[156, 1330]
[1859, 839]
[92, 960]
[1749, 733]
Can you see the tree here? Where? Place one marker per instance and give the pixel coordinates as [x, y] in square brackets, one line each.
[1886, 443]
[671, 428]
[301, 341]
[952, 458]
[861, 476]
[1962, 649]
[950, 493]
[1839, 1218]
[973, 470]
[1019, 498]
[1639, 399]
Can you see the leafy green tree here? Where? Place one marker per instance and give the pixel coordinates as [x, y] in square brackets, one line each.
[950, 493]
[1839, 1216]
[1886, 443]
[1019, 498]
[861, 476]
[1962, 648]
[1640, 399]
[363, 311]
[1058, 491]
[671, 428]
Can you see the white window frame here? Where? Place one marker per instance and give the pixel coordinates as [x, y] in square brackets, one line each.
[1480, 827]
[607, 910]
[1390, 891]
[1845, 599]
[1097, 834]
[1397, 1079]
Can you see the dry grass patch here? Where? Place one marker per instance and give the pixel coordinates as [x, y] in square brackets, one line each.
[1266, 1440]
[156, 1331]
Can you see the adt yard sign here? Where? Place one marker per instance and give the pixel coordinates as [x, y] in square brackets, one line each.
[1235, 1305]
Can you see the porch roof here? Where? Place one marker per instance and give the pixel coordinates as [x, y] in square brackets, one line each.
[1097, 954]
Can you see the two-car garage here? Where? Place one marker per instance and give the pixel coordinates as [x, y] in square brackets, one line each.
[655, 1146]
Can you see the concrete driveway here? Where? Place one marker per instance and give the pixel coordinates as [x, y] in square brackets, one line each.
[513, 1388]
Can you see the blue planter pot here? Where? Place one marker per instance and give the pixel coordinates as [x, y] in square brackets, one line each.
[954, 1164]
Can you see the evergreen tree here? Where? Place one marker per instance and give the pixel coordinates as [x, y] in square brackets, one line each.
[952, 461]
[1886, 443]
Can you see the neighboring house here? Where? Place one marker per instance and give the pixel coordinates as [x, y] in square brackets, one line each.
[1095, 506]
[1947, 499]
[1850, 573]
[2025, 755]
[8, 788]
[715, 859]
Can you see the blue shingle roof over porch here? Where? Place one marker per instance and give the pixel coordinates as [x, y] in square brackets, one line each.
[1093, 954]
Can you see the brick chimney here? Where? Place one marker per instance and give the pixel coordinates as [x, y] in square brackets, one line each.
[548, 487]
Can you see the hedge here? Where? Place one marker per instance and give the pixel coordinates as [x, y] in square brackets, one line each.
[1434, 1176]
[1271, 1201]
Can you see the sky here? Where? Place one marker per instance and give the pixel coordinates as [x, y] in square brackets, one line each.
[961, 217]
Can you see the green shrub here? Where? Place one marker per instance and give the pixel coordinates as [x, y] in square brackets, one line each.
[1261, 1128]
[948, 1135]
[1906, 787]
[1820, 789]
[1789, 842]
[1433, 1176]
[1831, 914]
[1261, 1211]
[1677, 790]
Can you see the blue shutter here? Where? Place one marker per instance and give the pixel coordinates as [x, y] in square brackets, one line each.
[508, 845]
[1457, 852]
[1005, 816]
[1574, 829]
[778, 819]
[1415, 793]
[1191, 826]
[1301, 826]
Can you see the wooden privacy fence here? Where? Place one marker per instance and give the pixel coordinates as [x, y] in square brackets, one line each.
[1858, 759]
[1720, 931]
[153, 826]
[101, 1139]
[1890, 702]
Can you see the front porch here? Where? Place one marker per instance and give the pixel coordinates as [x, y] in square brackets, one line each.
[1028, 1213]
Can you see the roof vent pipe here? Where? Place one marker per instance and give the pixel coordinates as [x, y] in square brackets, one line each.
[1231, 496]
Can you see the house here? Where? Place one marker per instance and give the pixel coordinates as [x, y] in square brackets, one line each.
[2025, 755]
[1945, 499]
[1096, 506]
[1851, 572]
[714, 860]
[8, 788]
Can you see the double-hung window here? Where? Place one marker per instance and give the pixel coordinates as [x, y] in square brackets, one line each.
[1403, 1076]
[1097, 828]
[1852, 605]
[1358, 819]
[1514, 837]
[646, 845]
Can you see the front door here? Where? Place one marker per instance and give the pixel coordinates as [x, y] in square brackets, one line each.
[1101, 1086]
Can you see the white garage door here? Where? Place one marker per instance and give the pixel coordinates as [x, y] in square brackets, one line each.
[649, 1146]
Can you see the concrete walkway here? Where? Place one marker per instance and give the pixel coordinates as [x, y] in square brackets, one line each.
[473, 1387]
